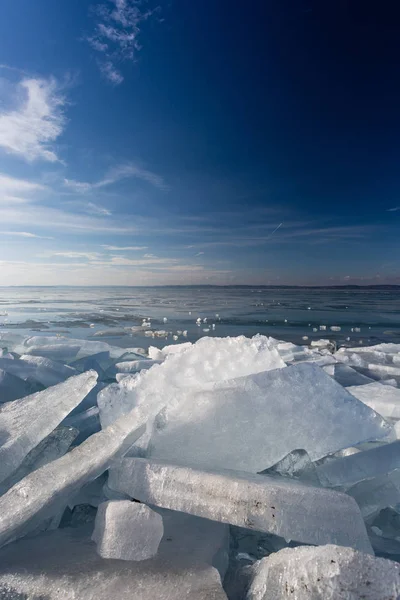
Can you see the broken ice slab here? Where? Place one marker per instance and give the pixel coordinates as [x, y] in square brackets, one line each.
[349, 470]
[252, 422]
[86, 347]
[13, 388]
[196, 367]
[87, 423]
[26, 422]
[346, 376]
[127, 530]
[280, 506]
[19, 368]
[64, 564]
[60, 352]
[101, 358]
[372, 495]
[161, 354]
[48, 372]
[384, 399]
[52, 447]
[295, 465]
[134, 366]
[328, 573]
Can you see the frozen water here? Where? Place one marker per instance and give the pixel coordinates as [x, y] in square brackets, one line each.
[42, 494]
[384, 399]
[12, 387]
[26, 422]
[296, 465]
[87, 423]
[280, 506]
[324, 573]
[134, 366]
[346, 376]
[127, 530]
[374, 494]
[48, 372]
[349, 470]
[52, 447]
[64, 565]
[238, 424]
[193, 367]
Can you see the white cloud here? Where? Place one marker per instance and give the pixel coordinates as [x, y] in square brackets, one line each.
[114, 248]
[25, 234]
[72, 254]
[29, 129]
[116, 174]
[12, 185]
[95, 209]
[116, 34]
[199, 254]
[394, 209]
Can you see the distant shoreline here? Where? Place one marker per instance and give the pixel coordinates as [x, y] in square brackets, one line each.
[194, 286]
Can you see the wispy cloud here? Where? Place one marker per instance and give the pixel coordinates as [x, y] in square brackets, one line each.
[72, 254]
[25, 234]
[199, 254]
[116, 34]
[95, 209]
[121, 248]
[394, 209]
[29, 128]
[116, 174]
[17, 191]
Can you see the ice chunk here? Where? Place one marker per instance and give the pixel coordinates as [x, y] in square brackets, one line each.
[52, 447]
[384, 399]
[207, 361]
[42, 494]
[372, 495]
[327, 572]
[26, 422]
[64, 564]
[279, 506]
[349, 470]
[296, 465]
[86, 347]
[87, 423]
[127, 530]
[252, 422]
[19, 368]
[346, 376]
[48, 372]
[61, 352]
[134, 366]
[13, 388]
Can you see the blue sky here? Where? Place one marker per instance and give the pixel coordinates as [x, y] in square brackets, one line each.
[187, 142]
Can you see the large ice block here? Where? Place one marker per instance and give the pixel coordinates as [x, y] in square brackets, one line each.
[252, 422]
[52, 447]
[86, 347]
[127, 530]
[195, 367]
[372, 495]
[42, 494]
[280, 506]
[346, 376]
[48, 372]
[384, 399]
[324, 573]
[26, 422]
[12, 387]
[64, 565]
[349, 470]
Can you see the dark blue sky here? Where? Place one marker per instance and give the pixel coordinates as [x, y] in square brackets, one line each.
[199, 142]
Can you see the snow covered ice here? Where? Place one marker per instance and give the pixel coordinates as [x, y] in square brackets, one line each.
[169, 472]
[324, 573]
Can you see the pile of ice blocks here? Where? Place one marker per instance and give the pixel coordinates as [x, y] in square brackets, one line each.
[230, 468]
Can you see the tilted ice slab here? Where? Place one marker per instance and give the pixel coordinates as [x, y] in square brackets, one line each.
[38, 344]
[324, 573]
[286, 508]
[64, 565]
[372, 495]
[26, 422]
[384, 399]
[346, 376]
[52, 447]
[42, 494]
[48, 372]
[127, 530]
[134, 366]
[12, 387]
[195, 367]
[252, 422]
[349, 470]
